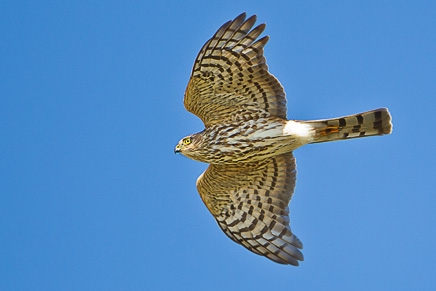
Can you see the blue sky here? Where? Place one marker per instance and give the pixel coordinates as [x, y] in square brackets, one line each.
[92, 196]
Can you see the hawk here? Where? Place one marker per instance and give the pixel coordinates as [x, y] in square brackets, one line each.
[248, 140]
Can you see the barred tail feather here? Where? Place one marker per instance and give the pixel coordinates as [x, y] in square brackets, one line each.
[370, 123]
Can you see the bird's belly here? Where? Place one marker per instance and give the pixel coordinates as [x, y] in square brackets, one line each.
[249, 142]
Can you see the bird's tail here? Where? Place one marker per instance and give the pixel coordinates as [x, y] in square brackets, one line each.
[374, 122]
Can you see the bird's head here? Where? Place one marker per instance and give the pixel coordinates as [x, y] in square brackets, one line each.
[188, 146]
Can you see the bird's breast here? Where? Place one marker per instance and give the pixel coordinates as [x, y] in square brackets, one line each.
[246, 141]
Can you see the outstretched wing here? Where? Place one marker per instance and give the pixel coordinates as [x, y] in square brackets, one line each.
[250, 204]
[230, 77]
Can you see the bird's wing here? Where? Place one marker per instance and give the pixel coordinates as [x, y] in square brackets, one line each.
[230, 77]
[250, 203]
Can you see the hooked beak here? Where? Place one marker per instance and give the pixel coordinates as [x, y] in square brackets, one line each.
[177, 149]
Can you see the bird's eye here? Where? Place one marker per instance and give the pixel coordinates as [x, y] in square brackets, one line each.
[187, 140]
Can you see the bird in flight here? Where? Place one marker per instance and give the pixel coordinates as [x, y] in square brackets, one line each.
[248, 140]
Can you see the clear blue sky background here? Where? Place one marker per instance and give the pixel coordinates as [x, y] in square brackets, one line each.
[92, 196]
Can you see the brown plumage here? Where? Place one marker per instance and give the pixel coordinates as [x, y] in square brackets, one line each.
[248, 140]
